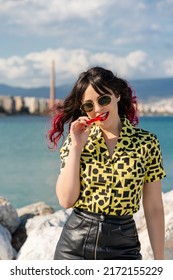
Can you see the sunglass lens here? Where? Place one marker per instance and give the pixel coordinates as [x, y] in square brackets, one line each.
[104, 100]
[87, 107]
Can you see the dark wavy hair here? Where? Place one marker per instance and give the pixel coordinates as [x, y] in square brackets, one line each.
[102, 80]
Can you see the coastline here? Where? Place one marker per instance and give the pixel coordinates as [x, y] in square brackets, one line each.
[12, 105]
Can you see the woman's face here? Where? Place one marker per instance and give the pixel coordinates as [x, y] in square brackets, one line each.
[110, 110]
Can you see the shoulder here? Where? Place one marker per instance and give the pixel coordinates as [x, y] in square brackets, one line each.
[146, 140]
[137, 134]
[144, 135]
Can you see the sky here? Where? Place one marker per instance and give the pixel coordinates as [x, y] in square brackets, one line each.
[133, 38]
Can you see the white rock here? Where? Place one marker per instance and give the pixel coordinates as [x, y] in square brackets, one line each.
[8, 215]
[6, 250]
[38, 208]
[169, 236]
[52, 220]
[168, 202]
[43, 234]
[143, 233]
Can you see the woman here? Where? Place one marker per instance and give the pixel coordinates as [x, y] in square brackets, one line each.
[107, 165]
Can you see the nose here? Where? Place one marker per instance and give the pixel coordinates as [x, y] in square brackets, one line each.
[97, 107]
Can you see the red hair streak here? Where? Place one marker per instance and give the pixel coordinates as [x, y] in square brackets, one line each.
[131, 113]
[56, 131]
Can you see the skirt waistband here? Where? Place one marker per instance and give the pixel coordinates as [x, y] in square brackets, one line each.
[103, 217]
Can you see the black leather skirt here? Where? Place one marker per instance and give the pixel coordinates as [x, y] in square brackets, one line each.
[90, 236]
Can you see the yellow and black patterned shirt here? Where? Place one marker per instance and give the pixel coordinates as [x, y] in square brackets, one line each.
[113, 185]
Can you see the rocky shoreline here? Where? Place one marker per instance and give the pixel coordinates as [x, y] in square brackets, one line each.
[31, 232]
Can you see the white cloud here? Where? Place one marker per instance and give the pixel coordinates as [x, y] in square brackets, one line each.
[12, 68]
[168, 65]
[135, 63]
[156, 27]
[164, 3]
[121, 35]
[122, 41]
[128, 40]
[136, 59]
[34, 68]
[43, 16]
[43, 11]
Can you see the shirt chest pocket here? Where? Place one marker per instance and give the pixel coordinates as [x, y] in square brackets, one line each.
[131, 164]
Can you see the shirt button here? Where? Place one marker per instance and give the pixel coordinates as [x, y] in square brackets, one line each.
[102, 217]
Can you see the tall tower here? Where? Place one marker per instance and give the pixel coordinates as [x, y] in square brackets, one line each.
[52, 84]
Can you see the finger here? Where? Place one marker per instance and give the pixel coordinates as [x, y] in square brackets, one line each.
[78, 124]
[85, 118]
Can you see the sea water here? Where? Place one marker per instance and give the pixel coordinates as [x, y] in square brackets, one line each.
[29, 169]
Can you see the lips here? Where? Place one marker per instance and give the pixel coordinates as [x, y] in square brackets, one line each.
[101, 117]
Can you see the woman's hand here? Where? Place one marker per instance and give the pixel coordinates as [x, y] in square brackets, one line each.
[79, 131]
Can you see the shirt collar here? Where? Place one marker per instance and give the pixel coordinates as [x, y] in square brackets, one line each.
[127, 130]
[96, 144]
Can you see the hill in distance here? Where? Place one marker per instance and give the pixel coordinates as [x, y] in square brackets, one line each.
[146, 90]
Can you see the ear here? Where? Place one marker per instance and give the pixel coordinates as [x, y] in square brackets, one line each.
[118, 98]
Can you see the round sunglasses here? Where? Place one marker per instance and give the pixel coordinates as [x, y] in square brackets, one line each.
[102, 100]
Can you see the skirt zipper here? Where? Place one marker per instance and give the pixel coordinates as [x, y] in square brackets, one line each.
[97, 240]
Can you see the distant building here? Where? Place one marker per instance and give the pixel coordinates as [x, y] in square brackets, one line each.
[19, 104]
[32, 104]
[1, 104]
[7, 104]
[161, 107]
[43, 105]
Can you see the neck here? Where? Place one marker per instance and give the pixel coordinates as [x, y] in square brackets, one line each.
[113, 132]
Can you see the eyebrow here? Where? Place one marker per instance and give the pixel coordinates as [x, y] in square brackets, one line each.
[88, 100]
[97, 97]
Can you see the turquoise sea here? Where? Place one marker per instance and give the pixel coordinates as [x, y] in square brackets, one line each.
[28, 169]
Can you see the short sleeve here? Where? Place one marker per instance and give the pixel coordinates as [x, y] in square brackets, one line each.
[64, 152]
[154, 166]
